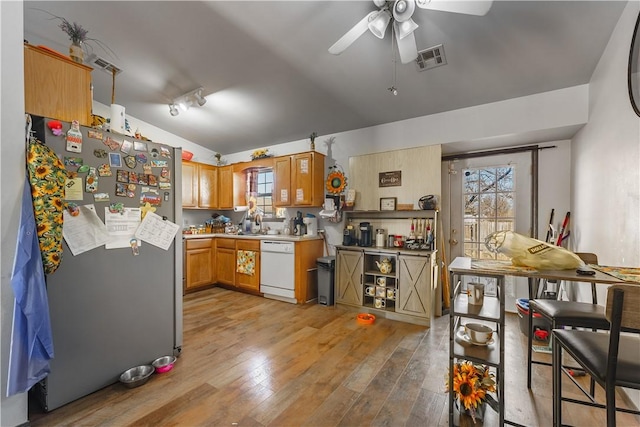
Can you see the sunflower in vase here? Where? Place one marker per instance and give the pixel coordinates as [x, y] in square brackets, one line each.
[471, 386]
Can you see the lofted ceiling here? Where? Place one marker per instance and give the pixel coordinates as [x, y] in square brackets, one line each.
[269, 78]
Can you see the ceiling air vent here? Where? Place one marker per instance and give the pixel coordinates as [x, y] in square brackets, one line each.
[96, 62]
[431, 58]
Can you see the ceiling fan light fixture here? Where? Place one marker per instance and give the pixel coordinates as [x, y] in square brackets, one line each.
[403, 10]
[173, 110]
[186, 101]
[403, 29]
[378, 25]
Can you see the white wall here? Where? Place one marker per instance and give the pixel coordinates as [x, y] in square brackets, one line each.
[606, 157]
[13, 410]
[605, 163]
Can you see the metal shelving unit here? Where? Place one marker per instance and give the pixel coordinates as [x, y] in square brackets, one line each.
[490, 312]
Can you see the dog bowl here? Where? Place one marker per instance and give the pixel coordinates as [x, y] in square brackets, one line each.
[164, 364]
[137, 376]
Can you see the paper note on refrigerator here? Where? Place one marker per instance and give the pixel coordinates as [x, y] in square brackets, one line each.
[156, 231]
[85, 231]
[121, 227]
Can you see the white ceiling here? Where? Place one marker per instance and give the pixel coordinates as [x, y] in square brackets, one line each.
[269, 79]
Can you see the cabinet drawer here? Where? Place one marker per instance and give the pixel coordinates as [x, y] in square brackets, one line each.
[226, 243]
[248, 245]
[199, 243]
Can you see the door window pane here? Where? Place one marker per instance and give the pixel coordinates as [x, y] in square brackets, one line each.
[489, 205]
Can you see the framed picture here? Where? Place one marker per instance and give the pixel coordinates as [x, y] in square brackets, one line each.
[115, 160]
[387, 203]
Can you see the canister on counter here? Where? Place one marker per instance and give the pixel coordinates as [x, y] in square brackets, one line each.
[380, 238]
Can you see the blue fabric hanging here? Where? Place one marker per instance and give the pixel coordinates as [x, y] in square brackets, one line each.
[31, 338]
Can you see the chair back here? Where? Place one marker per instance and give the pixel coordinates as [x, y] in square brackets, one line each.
[630, 316]
[590, 258]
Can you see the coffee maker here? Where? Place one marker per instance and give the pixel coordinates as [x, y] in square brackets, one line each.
[365, 234]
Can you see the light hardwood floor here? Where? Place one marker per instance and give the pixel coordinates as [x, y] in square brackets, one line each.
[250, 361]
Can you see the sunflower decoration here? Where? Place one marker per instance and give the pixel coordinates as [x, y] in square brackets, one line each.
[471, 385]
[336, 180]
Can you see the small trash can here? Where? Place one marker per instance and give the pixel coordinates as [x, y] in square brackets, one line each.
[540, 323]
[326, 271]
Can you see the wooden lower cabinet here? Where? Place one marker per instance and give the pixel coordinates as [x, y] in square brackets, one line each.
[348, 286]
[226, 261]
[249, 281]
[306, 269]
[199, 263]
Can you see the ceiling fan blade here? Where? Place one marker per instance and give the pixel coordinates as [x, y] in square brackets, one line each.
[352, 35]
[407, 48]
[479, 7]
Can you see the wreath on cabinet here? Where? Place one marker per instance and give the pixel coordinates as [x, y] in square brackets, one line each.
[336, 180]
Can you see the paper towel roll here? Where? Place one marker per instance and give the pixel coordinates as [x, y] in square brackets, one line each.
[117, 123]
[240, 208]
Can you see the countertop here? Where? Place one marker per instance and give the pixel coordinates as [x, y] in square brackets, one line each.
[387, 250]
[284, 237]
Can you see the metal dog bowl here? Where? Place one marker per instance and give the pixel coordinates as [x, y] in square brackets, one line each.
[164, 363]
[137, 376]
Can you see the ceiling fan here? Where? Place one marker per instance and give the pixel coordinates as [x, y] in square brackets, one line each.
[399, 12]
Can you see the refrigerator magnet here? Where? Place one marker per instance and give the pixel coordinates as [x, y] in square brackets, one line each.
[130, 161]
[115, 160]
[91, 183]
[135, 249]
[122, 176]
[146, 169]
[104, 170]
[141, 158]
[111, 143]
[100, 153]
[74, 138]
[126, 146]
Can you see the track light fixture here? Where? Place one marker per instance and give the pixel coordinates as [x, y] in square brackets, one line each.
[186, 101]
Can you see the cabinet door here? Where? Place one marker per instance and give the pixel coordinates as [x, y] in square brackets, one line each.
[226, 266]
[302, 179]
[414, 286]
[250, 279]
[225, 187]
[207, 186]
[56, 87]
[189, 185]
[198, 263]
[282, 181]
[349, 277]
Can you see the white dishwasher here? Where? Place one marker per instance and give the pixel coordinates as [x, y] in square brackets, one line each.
[277, 270]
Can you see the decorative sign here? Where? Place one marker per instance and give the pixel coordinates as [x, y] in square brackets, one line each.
[390, 179]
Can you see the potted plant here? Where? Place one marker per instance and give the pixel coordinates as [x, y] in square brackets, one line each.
[472, 384]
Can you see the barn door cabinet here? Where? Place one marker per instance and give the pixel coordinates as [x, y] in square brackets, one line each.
[408, 292]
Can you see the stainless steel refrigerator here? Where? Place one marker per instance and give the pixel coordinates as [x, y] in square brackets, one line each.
[110, 309]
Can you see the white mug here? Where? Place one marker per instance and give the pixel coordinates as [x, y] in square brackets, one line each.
[476, 293]
[379, 303]
[370, 290]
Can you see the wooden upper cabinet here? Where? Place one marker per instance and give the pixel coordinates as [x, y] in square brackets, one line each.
[282, 181]
[189, 184]
[207, 186]
[307, 179]
[56, 87]
[225, 187]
